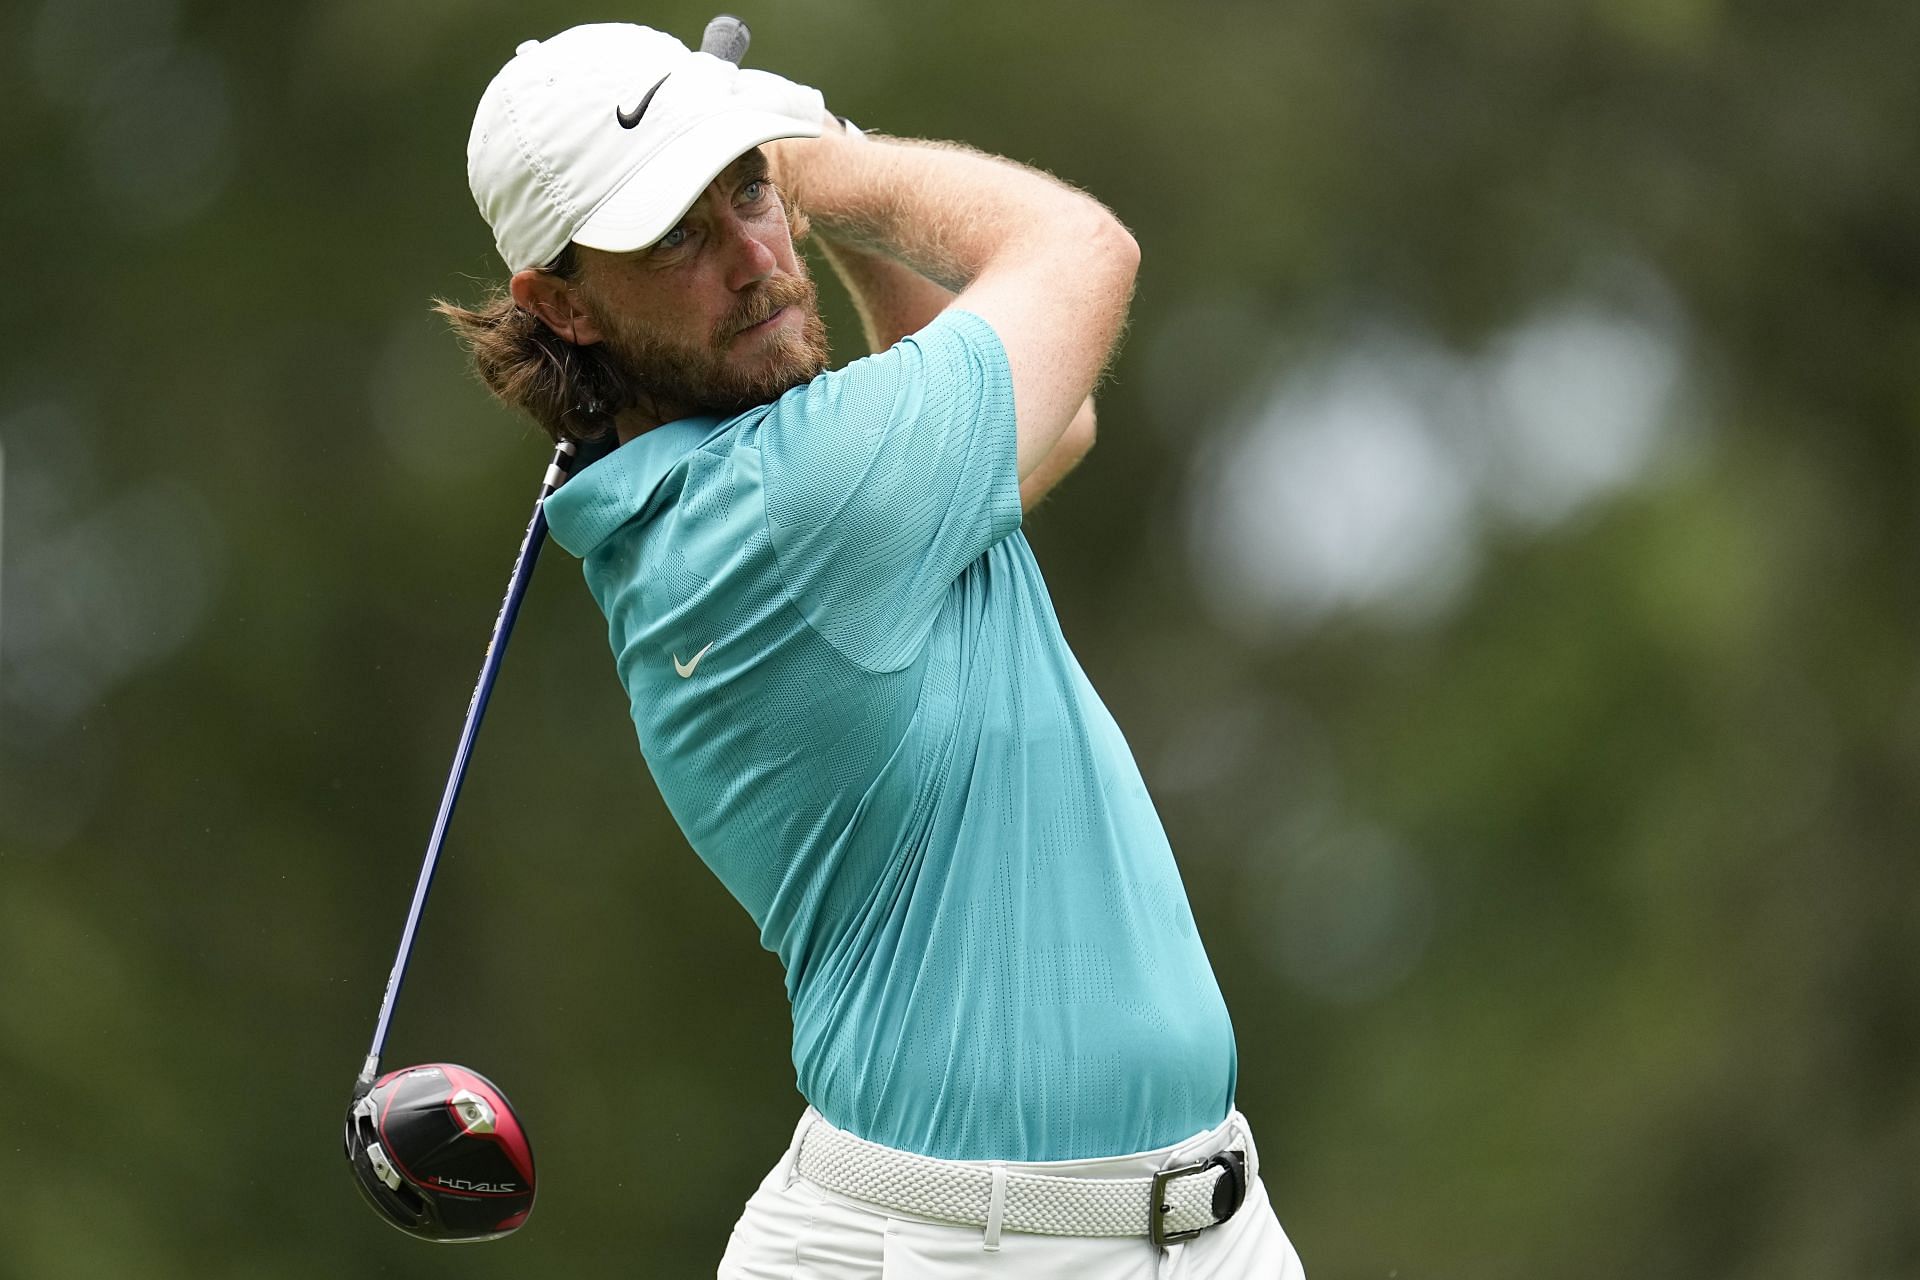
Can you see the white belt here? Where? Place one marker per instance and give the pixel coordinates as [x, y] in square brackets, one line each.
[1185, 1198]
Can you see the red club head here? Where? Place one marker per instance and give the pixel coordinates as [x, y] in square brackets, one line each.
[438, 1151]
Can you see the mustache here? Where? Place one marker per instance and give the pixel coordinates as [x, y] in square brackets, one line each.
[789, 291]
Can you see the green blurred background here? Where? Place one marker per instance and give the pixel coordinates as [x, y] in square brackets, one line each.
[1501, 552]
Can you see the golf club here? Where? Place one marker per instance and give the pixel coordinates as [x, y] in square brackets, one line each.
[437, 1149]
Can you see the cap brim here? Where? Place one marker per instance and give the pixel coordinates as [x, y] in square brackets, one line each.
[655, 196]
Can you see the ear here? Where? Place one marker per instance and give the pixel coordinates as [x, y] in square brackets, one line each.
[554, 301]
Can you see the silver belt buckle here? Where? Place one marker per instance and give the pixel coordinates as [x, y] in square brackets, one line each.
[1159, 1209]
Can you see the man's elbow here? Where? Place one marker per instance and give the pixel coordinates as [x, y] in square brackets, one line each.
[1100, 249]
[1126, 248]
[1118, 251]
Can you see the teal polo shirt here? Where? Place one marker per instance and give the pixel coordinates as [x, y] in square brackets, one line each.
[851, 689]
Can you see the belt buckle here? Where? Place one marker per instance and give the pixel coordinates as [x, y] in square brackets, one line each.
[1157, 1211]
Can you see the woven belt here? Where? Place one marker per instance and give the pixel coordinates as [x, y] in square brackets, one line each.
[1175, 1204]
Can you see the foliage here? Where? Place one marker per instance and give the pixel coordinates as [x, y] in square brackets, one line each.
[1560, 885]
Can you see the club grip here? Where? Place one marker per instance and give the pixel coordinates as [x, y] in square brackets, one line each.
[727, 38]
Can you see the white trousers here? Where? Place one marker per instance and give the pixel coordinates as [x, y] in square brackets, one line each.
[794, 1230]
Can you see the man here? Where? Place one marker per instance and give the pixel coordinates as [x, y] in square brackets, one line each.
[844, 670]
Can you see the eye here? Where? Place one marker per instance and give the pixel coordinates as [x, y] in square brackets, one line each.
[673, 239]
[754, 190]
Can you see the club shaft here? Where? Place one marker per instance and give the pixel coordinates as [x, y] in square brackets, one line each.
[476, 709]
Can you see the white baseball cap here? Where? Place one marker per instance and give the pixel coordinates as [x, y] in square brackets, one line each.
[606, 134]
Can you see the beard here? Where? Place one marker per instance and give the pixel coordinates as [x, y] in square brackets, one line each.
[669, 376]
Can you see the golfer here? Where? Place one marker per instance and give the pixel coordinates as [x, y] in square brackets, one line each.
[844, 670]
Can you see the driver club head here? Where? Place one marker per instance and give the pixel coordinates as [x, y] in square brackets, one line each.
[438, 1152]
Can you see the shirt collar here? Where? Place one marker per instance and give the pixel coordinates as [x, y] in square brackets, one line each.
[586, 510]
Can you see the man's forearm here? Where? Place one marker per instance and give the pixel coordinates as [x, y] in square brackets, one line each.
[1064, 457]
[893, 299]
[942, 208]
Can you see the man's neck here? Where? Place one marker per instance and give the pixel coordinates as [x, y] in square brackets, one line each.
[637, 421]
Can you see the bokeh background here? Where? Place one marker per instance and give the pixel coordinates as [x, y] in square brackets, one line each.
[1501, 552]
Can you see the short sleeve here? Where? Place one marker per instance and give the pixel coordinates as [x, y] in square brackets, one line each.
[886, 479]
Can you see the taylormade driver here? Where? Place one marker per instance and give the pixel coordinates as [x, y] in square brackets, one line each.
[437, 1149]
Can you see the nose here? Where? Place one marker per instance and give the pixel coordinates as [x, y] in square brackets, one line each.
[749, 260]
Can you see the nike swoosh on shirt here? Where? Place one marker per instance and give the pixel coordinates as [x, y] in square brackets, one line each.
[629, 120]
[688, 669]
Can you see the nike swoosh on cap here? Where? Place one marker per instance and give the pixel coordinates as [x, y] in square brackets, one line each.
[629, 121]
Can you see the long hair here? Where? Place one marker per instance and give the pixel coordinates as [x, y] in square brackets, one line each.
[573, 391]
